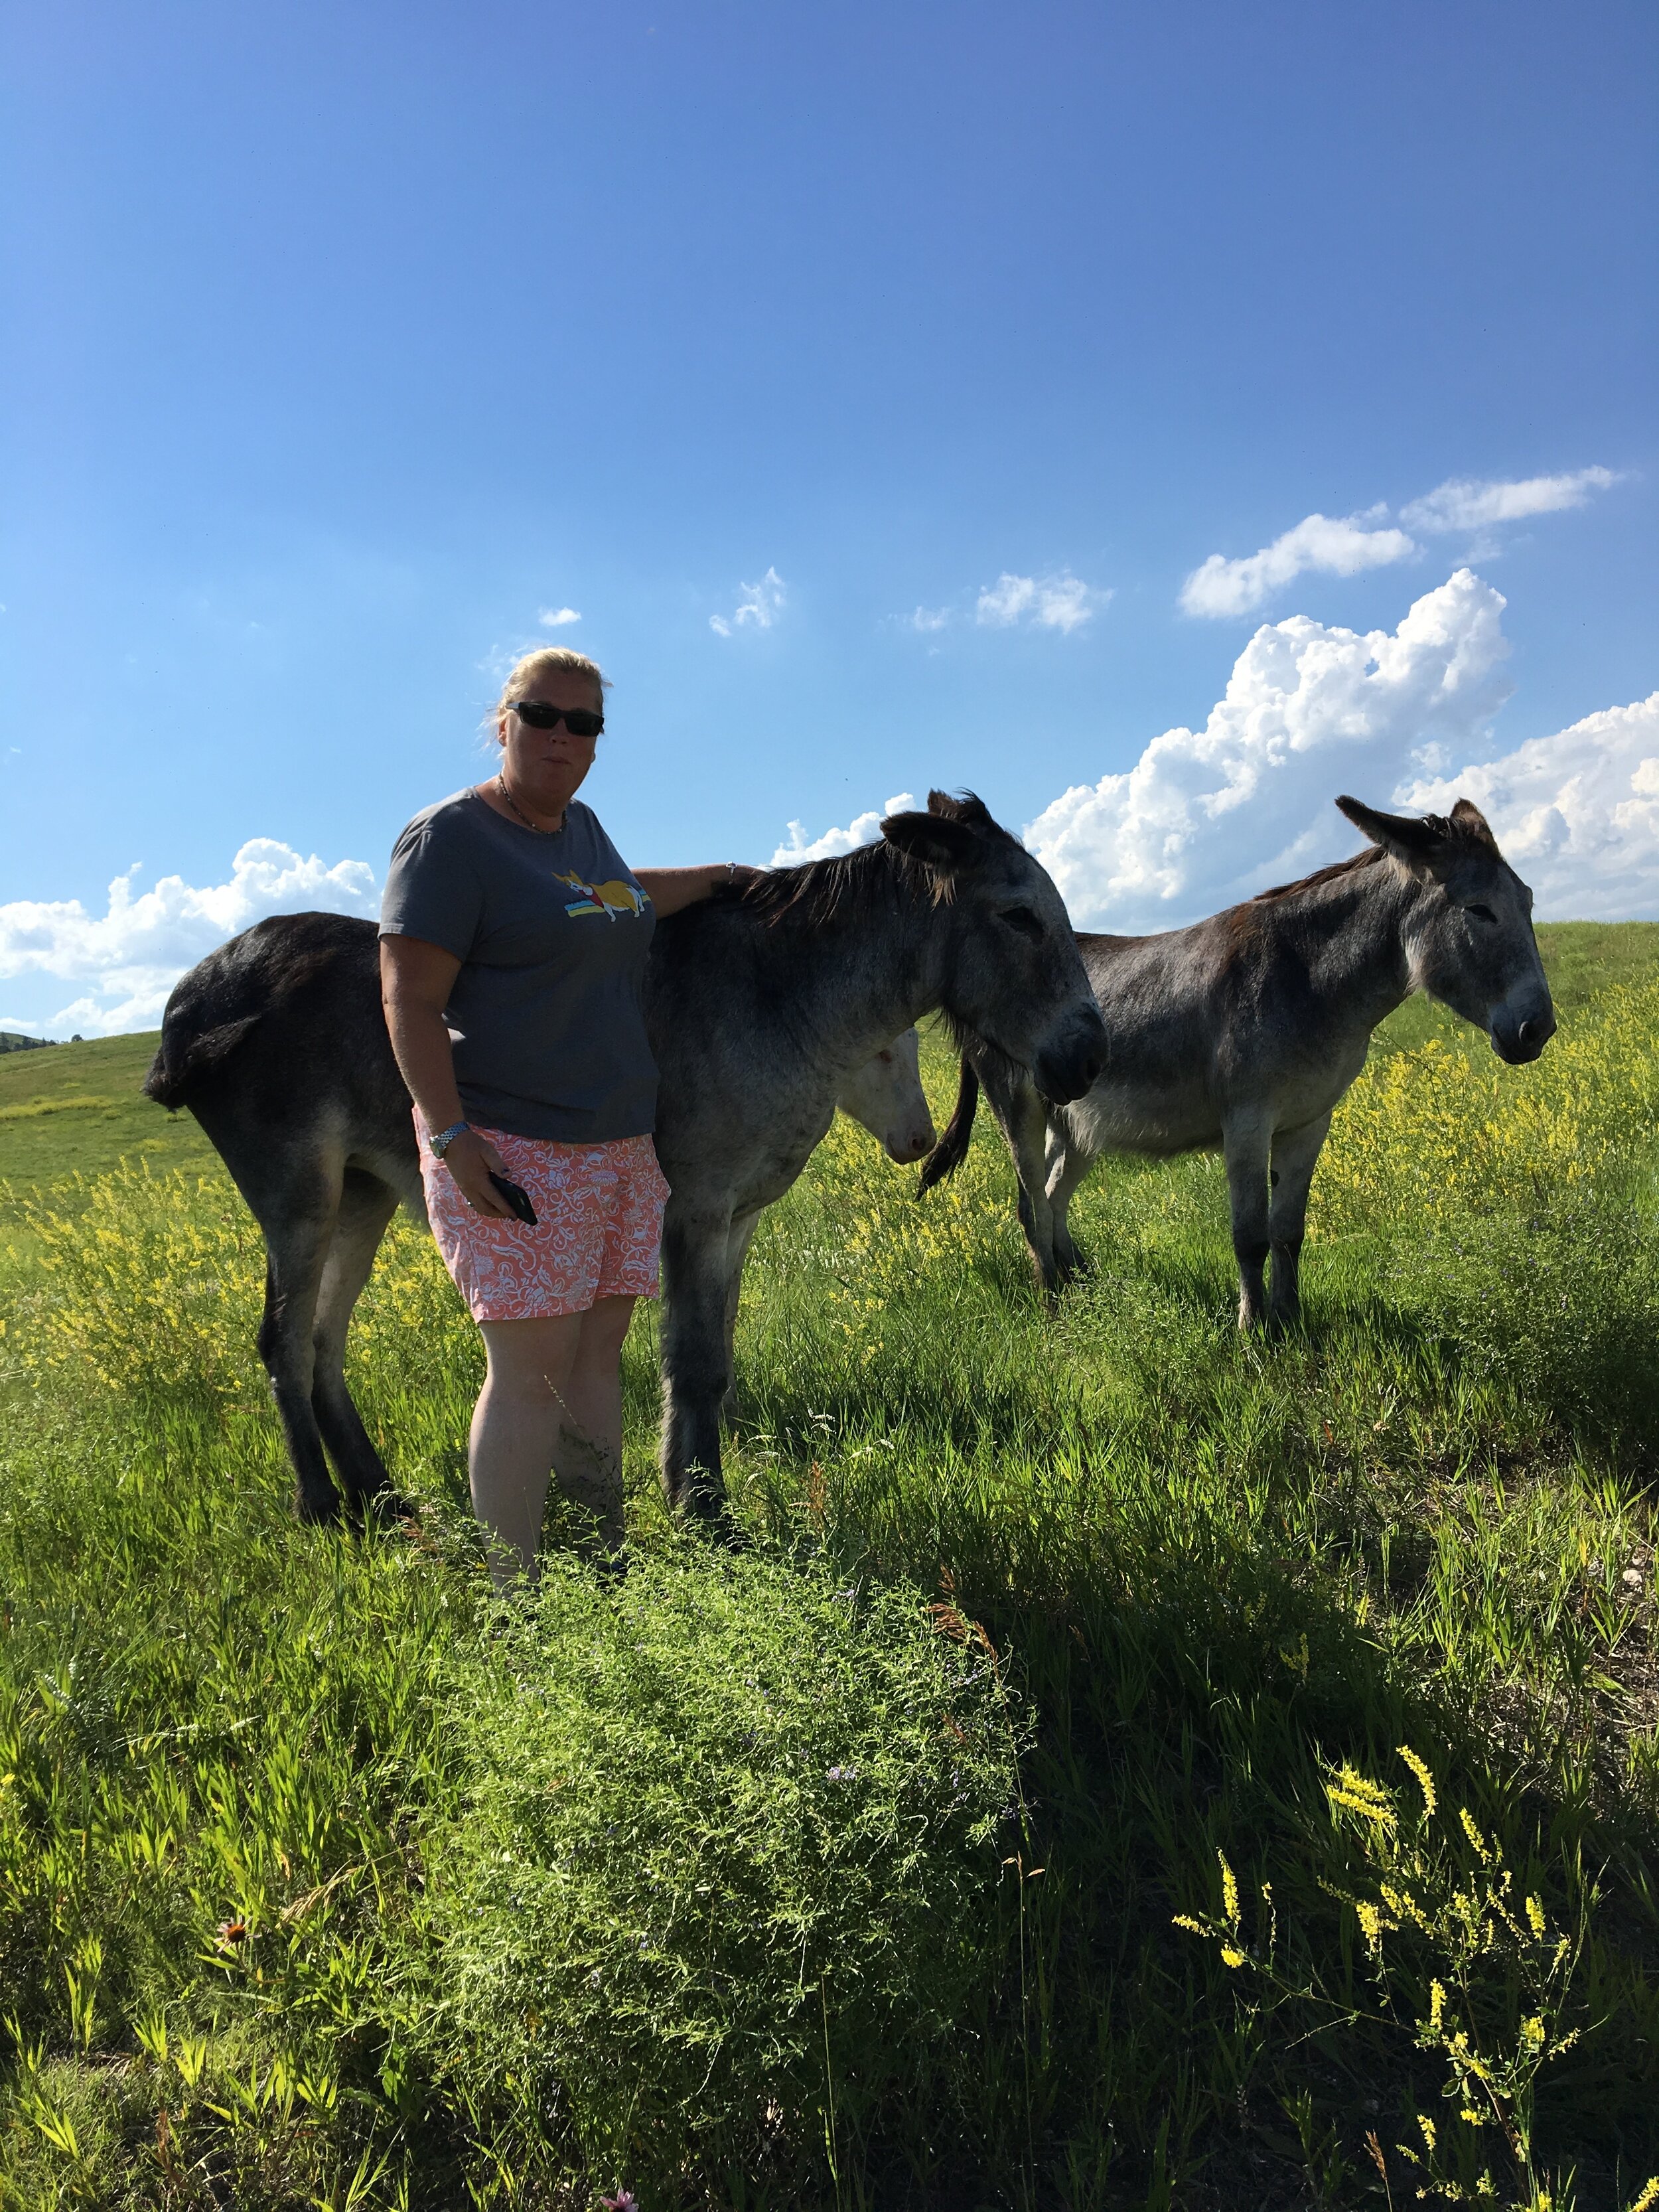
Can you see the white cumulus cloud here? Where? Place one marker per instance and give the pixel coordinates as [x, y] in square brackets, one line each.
[863, 830]
[1400, 718]
[1464, 503]
[1062, 602]
[128, 958]
[557, 617]
[758, 608]
[1207, 816]
[1335, 546]
[1347, 545]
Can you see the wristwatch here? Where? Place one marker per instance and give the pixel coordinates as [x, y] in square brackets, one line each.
[445, 1138]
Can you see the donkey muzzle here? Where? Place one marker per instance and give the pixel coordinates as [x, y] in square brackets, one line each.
[1516, 1042]
[1066, 1070]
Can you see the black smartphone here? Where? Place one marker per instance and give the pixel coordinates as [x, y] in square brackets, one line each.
[516, 1196]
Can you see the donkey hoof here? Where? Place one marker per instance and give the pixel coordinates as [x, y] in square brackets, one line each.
[317, 1508]
[707, 1512]
[381, 1508]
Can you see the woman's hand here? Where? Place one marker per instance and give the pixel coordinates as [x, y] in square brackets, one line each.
[470, 1158]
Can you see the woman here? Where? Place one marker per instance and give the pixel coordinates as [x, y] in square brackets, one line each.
[512, 945]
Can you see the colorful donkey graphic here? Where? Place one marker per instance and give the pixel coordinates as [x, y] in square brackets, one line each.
[609, 899]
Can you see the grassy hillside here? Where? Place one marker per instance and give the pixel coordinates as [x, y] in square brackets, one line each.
[1131, 1766]
[78, 1107]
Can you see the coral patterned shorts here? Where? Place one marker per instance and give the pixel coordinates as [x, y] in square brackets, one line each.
[599, 1227]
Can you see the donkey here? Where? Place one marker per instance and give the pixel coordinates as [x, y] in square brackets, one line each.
[760, 1003]
[1243, 1033]
[885, 1096]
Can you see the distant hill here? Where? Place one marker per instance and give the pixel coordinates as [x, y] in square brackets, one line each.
[14, 1040]
[79, 1106]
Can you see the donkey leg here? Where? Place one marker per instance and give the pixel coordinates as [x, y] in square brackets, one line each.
[1246, 1145]
[1295, 1153]
[736, 1253]
[1025, 1126]
[1066, 1164]
[692, 1344]
[366, 1205]
[296, 1252]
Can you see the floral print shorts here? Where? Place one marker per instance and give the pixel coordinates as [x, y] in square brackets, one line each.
[599, 1227]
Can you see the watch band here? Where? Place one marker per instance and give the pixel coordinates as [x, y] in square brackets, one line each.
[445, 1138]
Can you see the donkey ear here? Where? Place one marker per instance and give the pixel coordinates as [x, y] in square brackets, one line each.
[938, 840]
[1472, 824]
[1406, 836]
[969, 809]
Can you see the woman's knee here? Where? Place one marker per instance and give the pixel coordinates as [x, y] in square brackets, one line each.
[604, 1325]
[532, 1360]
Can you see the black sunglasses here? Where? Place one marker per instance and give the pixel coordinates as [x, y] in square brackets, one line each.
[580, 721]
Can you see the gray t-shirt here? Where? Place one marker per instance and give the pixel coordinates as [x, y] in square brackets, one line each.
[547, 1013]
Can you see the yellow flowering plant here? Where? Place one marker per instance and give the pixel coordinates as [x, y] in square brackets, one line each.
[1485, 1990]
[1426, 1136]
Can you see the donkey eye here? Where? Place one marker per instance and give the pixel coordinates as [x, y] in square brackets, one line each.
[1022, 919]
[1485, 912]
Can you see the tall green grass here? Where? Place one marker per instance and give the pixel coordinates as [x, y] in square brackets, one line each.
[1039, 1813]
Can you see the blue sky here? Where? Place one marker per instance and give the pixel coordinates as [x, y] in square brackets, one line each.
[344, 342]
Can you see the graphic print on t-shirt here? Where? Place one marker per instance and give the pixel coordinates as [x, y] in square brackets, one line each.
[609, 899]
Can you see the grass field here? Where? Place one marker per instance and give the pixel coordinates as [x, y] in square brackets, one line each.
[1131, 1767]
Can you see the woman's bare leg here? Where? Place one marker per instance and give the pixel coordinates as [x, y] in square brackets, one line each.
[515, 1431]
[588, 1452]
[552, 1401]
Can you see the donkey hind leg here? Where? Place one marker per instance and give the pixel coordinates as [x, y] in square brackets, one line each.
[1064, 1165]
[297, 1243]
[742, 1235]
[692, 1343]
[1025, 1126]
[1246, 1144]
[366, 1205]
[1295, 1153]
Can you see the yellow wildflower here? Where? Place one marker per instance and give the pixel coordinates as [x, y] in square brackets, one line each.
[1229, 1890]
[1474, 1834]
[1424, 1779]
[1362, 1796]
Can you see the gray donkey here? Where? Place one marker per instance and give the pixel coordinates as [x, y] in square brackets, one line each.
[1243, 1032]
[761, 1004]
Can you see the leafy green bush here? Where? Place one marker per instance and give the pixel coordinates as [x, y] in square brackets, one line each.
[726, 1875]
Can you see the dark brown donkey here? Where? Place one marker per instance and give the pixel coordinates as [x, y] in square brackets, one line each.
[1242, 1033]
[760, 1005]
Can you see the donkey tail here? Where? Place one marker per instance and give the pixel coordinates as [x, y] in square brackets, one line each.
[184, 1059]
[948, 1155]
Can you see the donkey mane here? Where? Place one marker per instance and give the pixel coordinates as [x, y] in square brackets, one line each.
[1465, 825]
[818, 892]
[1367, 859]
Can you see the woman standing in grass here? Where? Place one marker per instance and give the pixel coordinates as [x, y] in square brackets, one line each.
[513, 945]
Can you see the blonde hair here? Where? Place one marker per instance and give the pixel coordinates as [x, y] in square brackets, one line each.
[547, 660]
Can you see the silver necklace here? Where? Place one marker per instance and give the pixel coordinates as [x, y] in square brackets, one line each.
[518, 812]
